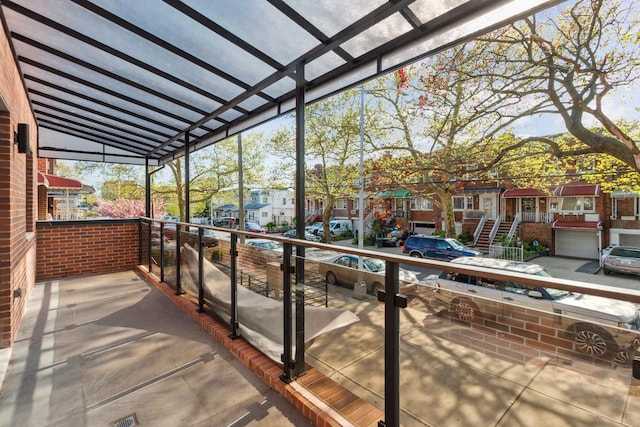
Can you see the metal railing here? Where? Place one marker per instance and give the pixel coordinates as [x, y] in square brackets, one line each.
[506, 252]
[295, 282]
[494, 229]
[478, 231]
[514, 226]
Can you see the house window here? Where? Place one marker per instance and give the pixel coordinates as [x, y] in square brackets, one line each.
[461, 203]
[284, 201]
[265, 199]
[422, 204]
[554, 204]
[578, 204]
[264, 214]
[340, 204]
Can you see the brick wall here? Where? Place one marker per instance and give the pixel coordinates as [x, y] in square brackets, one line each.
[540, 231]
[17, 198]
[67, 248]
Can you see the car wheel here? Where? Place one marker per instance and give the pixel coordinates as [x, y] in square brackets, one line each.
[375, 287]
[416, 254]
[331, 278]
[465, 310]
[593, 341]
[606, 271]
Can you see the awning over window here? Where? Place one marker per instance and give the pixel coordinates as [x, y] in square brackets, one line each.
[623, 194]
[58, 182]
[577, 190]
[479, 190]
[398, 194]
[595, 225]
[523, 192]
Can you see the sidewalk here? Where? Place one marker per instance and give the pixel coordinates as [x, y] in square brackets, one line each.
[112, 347]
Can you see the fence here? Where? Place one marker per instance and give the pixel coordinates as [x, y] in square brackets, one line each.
[506, 252]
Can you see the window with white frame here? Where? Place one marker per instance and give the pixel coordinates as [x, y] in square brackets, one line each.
[284, 201]
[264, 214]
[554, 204]
[340, 204]
[461, 203]
[422, 204]
[578, 204]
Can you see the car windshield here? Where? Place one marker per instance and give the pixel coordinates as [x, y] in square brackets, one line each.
[373, 265]
[625, 252]
[553, 293]
[456, 244]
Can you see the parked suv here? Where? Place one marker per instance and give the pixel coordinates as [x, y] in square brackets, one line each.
[599, 326]
[444, 248]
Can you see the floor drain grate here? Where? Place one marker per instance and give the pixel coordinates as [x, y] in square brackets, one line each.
[128, 421]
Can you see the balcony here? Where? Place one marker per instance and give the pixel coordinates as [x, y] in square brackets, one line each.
[419, 365]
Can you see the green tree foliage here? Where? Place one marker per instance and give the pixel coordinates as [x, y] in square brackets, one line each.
[213, 173]
[568, 62]
[332, 147]
[119, 181]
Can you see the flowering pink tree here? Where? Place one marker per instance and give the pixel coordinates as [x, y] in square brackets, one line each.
[121, 208]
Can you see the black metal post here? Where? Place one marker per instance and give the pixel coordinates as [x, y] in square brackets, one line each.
[140, 241]
[300, 215]
[149, 245]
[147, 189]
[200, 272]
[187, 179]
[288, 364]
[162, 251]
[178, 261]
[233, 322]
[393, 301]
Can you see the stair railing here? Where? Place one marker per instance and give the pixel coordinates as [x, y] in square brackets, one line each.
[494, 229]
[514, 226]
[479, 227]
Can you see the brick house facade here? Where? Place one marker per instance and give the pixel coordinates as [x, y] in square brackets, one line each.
[18, 197]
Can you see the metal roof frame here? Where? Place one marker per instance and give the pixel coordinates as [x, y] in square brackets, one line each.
[123, 81]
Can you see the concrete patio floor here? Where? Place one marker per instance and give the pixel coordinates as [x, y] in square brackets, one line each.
[94, 350]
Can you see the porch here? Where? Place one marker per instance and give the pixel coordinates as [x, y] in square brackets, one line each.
[102, 347]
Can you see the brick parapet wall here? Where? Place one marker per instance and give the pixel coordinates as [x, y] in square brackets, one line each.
[66, 248]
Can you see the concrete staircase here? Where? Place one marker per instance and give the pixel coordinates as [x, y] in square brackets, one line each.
[484, 241]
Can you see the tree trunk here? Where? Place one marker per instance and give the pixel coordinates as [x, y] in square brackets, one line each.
[446, 204]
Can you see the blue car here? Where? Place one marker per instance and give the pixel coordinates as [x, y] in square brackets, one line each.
[442, 248]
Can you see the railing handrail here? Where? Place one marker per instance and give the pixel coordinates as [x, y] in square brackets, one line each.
[479, 227]
[514, 225]
[494, 229]
[631, 295]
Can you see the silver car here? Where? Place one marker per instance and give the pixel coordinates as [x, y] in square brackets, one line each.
[622, 259]
[343, 270]
[599, 326]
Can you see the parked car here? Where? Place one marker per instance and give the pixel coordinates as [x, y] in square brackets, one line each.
[209, 238]
[342, 270]
[225, 221]
[254, 227]
[443, 248]
[622, 259]
[265, 244]
[291, 234]
[314, 228]
[599, 326]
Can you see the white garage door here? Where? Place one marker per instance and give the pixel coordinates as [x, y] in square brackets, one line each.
[577, 243]
[630, 240]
